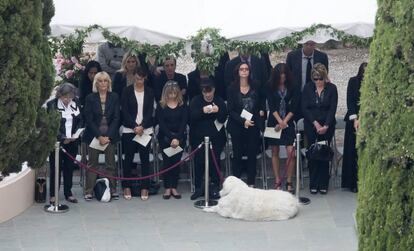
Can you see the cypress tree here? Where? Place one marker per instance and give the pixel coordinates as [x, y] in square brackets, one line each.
[386, 137]
[27, 132]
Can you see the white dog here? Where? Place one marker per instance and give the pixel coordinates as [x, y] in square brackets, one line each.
[242, 202]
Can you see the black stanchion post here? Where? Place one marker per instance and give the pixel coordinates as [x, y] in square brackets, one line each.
[206, 202]
[301, 200]
[56, 208]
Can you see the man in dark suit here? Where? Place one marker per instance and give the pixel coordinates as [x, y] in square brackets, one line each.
[300, 63]
[169, 74]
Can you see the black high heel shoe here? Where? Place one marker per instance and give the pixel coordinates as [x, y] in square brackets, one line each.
[290, 185]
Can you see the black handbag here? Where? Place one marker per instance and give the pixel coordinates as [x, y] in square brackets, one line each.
[321, 152]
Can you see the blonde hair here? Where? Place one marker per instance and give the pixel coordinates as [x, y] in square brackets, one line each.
[319, 70]
[125, 58]
[101, 75]
[171, 87]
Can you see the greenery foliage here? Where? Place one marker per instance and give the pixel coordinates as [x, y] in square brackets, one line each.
[27, 131]
[72, 45]
[386, 139]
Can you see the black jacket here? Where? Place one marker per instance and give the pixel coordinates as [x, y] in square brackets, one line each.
[120, 82]
[77, 122]
[130, 108]
[160, 81]
[352, 97]
[273, 100]
[294, 62]
[323, 112]
[235, 107]
[93, 116]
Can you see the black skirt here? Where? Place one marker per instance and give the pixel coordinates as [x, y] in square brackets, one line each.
[286, 138]
[350, 158]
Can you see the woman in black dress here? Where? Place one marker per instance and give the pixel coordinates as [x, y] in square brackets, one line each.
[172, 115]
[282, 99]
[244, 104]
[319, 102]
[349, 164]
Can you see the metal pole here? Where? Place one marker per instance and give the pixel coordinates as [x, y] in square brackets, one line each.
[301, 200]
[56, 208]
[206, 203]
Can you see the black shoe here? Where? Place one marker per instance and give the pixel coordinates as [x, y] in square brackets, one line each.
[166, 196]
[176, 196]
[196, 194]
[323, 191]
[313, 191]
[354, 190]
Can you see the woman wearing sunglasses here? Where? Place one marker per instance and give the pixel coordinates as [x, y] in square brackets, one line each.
[319, 102]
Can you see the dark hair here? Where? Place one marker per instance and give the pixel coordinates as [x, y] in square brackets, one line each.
[236, 74]
[361, 70]
[207, 84]
[91, 64]
[140, 72]
[277, 71]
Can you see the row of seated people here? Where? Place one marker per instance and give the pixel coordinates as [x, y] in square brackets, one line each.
[104, 111]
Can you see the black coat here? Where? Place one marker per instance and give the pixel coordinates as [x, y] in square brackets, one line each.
[160, 81]
[294, 63]
[202, 124]
[235, 107]
[120, 82]
[130, 108]
[93, 116]
[323, 112]
[352, 97]
[77, 121]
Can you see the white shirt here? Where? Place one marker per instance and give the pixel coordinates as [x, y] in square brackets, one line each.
[67, 113]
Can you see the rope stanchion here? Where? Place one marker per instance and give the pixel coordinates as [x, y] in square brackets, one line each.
[213, 154]
[80, 164]
[56, 207]
[301, 200]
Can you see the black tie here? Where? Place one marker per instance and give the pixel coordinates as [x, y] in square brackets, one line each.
[308, 70]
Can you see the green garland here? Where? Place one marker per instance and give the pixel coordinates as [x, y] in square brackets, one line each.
[72, 45]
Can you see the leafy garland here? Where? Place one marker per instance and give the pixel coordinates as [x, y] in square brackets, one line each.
[72, 45]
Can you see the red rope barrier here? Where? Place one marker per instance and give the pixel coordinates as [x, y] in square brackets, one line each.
[216, 164]
[80, 164]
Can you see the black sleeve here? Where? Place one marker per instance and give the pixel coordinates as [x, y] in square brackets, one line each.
[351, 97]
[113, 129]
[306, 103]
[90, 123]
[232, 106]
[162, 124]
[271, 102]
[228, 74]
[184, 122]
[127, 120]
[147, 120]
[326, 61]
[196, 110]
[222, 113]
[192, 86]
[333, 103]
[117, 84]
[295, 103]
[83, 92]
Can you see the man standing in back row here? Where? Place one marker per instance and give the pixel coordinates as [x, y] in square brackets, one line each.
[300, 63]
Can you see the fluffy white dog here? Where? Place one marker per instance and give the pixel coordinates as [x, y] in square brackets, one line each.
[239, 201]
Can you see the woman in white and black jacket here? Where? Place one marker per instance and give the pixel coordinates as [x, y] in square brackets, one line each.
[244, 94]
[70, 122]
[137, 108]
[319, 102]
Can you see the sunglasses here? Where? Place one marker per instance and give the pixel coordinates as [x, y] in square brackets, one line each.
[316, 79]
[243, 69]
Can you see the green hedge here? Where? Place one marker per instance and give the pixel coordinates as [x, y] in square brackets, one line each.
[386, 139]
[27, 132]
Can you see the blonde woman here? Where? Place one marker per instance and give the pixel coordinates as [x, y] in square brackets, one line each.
[125, 76]
[172, 115]
[319, 102]
[102, 122]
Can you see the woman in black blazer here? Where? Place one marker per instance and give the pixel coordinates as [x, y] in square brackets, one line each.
[102, 122]
[244, 94]
[172, 115]
[283, 100]
[70, 122]
[319, 102]
[137, 109]
[350, 163]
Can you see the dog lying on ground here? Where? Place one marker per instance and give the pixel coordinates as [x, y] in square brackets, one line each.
[239, 201]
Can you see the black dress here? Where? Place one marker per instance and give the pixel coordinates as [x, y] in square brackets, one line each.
[349, 163]
[283, 103]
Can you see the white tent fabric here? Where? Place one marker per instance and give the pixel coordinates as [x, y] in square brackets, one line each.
[321, 36]
[130, 32]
